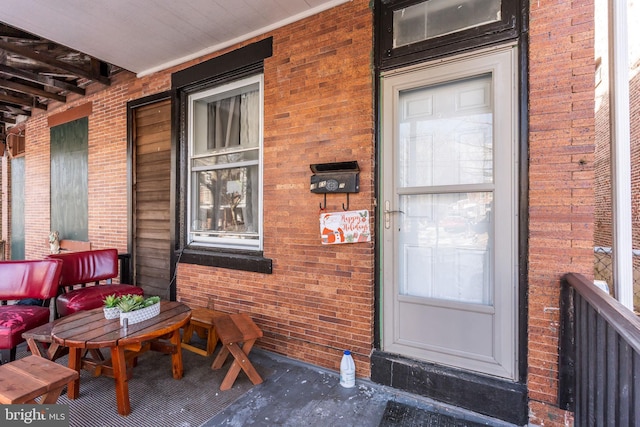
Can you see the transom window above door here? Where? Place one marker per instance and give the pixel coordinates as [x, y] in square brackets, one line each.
[435, 18]
[416, 30]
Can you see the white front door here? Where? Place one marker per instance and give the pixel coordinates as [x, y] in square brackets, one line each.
[449, 225]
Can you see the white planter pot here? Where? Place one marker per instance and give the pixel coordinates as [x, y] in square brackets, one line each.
[140, 315]
[111, 312]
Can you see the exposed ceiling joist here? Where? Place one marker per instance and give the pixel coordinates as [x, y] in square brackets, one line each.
[8, 120]
[30, 90]
[21, 102]
[35, 72]
[53, 62]
[46, 81]
[64, 46]
[15, 111]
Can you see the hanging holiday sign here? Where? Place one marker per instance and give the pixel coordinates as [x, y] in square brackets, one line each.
[345, 227]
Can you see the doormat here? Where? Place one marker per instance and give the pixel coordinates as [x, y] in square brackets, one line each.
[399, 414]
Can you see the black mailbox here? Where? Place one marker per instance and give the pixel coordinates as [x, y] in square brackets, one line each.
[341, 177]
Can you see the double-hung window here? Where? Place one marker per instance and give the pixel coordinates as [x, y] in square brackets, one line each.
[225, 165]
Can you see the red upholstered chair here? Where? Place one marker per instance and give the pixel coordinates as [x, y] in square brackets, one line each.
[93, 272]
[24, 280]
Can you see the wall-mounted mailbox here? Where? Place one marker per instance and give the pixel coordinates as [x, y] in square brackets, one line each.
[341, 177]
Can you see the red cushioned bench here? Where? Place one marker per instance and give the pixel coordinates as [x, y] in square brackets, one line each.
[24, 280]
[86, 280]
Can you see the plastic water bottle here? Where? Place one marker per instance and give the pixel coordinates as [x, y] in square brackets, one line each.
[347, 370]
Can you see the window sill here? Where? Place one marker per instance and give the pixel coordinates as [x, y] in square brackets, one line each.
[254, 262]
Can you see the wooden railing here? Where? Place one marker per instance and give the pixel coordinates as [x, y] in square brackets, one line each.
[599, 356]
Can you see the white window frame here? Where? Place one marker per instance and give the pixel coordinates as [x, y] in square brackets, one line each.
[222, 242]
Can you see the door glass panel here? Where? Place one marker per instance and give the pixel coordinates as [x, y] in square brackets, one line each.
[445, 134]
[445, 138]
[445, 246]
[435, 18]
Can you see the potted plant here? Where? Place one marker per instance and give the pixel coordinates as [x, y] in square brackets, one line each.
[136, 308]
[110, 308]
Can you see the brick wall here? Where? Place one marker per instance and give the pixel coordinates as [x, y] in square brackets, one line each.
[603, 235]
[603, 231]
[106, 175]
[561, 180]
[107, 152]
[634, 118]
[603, 225]
[318, 108]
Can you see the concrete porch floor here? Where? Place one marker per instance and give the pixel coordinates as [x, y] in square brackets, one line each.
[298, 394]
[292, 394]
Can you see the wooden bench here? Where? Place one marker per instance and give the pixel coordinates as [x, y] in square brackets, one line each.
[238, 333]
[24, 380]
[201, 323]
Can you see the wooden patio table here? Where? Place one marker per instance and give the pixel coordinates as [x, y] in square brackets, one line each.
[89, 330]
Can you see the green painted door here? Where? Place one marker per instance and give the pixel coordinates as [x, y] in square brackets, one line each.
[17, 208]
[69, 179]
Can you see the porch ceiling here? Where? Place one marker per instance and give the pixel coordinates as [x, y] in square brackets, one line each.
[49, 49]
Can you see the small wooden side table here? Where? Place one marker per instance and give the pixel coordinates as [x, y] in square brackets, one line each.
[25, 379]
[238, 333]
[201, 323]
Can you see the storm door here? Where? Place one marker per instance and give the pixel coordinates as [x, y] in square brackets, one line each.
[449, 212]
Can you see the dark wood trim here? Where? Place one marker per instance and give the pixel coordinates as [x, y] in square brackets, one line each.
[227, 63]
[523, 207]
[501, 399]
[235, 65]
[377, 296]
[235, 261]
[151, 99]
[178, 174]
[126, 272]
[460, 41]
[70, 115]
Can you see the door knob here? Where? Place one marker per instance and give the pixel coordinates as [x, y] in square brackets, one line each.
[387, 213]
